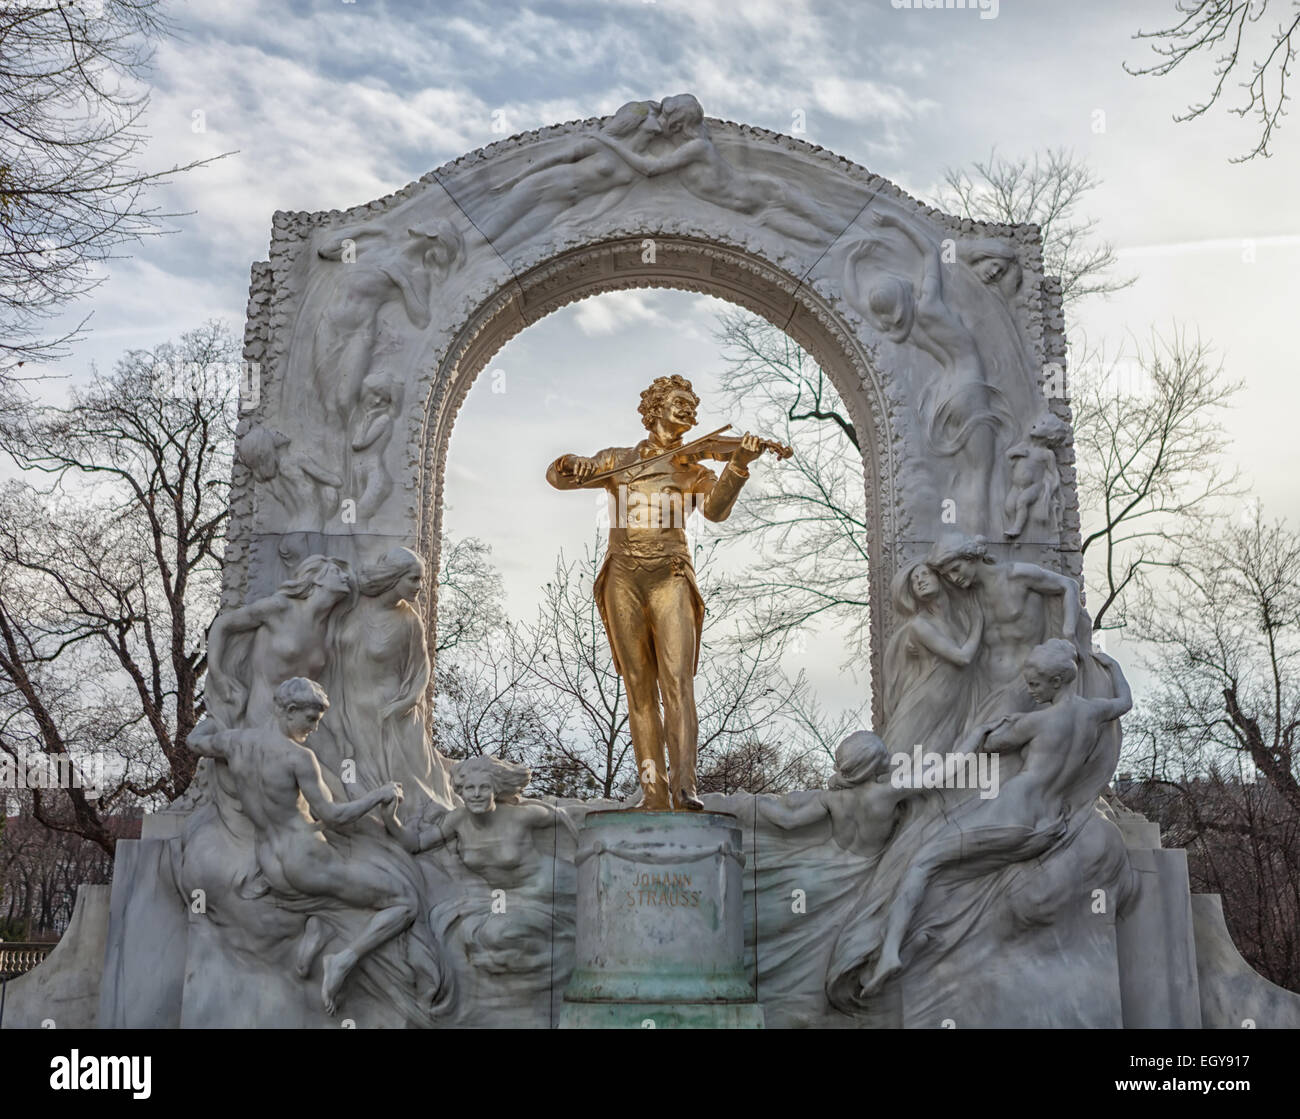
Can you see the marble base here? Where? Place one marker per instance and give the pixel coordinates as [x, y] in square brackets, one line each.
[1166, 962]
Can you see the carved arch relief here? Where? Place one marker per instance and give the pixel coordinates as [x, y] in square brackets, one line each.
[369, 327]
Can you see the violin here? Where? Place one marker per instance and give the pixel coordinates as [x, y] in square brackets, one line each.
[720, 448]
[714, 446]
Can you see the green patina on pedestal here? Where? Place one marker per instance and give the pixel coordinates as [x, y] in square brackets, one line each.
[661, 1016]
[660, 938]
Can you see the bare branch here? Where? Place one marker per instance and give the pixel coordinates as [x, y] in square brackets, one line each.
[1222, 30]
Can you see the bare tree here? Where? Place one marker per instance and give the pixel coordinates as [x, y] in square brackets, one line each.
[72, 103]
[808, 517]
[1047, 190]
[1149, 440]
[1226, 629]
[1213, 745]
[485, 703]
[571, 673]
[1242, 842]
[470, 594]
[109, 574]
[40, 871]
[1223, 29]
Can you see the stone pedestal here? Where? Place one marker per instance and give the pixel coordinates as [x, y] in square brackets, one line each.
[1159, 988]
[660, 937]
[63, 991]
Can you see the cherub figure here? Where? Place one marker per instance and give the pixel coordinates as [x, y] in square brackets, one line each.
[278, 781]
[1035, 477]
[1029, 814]
[861, 804]
[492, 833]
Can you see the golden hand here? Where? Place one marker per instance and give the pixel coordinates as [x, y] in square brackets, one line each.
[578, 468]
[750, 448]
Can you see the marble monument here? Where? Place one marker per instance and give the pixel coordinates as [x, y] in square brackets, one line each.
[330, 867]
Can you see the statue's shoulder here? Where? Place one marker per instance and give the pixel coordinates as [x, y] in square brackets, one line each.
[1021, 570]
[617, 456]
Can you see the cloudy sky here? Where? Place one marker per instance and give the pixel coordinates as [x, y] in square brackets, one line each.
[331, 103]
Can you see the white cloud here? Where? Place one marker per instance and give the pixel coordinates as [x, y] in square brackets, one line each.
[619, 310]
[855, 99]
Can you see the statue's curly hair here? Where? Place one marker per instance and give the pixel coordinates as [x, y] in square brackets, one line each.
[652, 399]
[298, 691]
[859, 758]
[1055, 657]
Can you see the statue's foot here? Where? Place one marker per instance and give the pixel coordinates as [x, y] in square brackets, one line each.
[313, 940]
[686, 798]
[654, 801]
[337, 967]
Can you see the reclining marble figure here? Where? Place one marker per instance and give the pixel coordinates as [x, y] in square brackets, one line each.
[279, 784]
[1031, 811]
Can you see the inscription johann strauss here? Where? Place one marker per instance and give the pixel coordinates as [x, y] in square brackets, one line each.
[662, 889]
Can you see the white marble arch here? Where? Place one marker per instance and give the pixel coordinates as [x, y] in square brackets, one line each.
[368, 327]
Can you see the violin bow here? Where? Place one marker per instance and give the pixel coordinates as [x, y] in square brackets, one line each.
[655, 458]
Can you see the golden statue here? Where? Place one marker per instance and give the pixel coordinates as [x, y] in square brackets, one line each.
[646, 591]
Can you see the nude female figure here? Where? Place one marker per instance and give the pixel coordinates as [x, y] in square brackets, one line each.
[583, 168]
[379, 678]
[255, 648]
[708, 176]
[387, 267]
[959, 410]
[493, 833]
